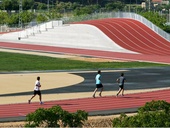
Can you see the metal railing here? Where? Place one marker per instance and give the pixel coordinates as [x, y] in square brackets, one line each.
[36, 29]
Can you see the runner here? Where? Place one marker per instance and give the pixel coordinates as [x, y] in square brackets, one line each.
[37, 90]
[121, 81]
[98, 84]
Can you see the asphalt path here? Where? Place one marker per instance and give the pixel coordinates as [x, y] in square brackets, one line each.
[137, 78]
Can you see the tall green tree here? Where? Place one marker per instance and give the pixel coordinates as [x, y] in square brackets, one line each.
[3, 17]
[28, 4]
[118, 5]
[41, 18]
[10, 5]
[89, 9]
[155, 18]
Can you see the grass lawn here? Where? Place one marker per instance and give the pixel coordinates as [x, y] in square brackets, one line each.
[24, 62]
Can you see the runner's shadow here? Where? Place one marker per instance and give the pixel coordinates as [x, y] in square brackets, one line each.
[60, 104]
[136, 97]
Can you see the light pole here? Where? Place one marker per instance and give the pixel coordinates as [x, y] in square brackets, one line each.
[48, 6]
[149, 5]
[20, 12]
[130, 6]
[169, 15]
[20, 17]
[97, 2]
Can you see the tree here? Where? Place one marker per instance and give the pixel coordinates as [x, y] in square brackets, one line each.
[27, 16]
[41, 18]
[118, 5]
[27, 4]
[86, 10]
[155, 18]
[3, 17]
[12, 20]
[8, 5]
[41, 6]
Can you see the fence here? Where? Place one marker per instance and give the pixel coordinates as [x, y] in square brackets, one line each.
[36, 29]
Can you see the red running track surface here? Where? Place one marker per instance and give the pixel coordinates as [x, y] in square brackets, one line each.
[87, 104]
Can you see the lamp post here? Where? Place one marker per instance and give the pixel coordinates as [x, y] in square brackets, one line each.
[20, 12]
[136, 6]
[169, 15]
[20, 18]
[130, 6]
[97, 2]
[48, 6]
[149, 5]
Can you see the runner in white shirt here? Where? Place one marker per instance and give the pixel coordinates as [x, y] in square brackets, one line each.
[37, 90]
[37, 85]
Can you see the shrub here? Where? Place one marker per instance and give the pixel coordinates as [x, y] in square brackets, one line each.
[153, 114]
[55, 117]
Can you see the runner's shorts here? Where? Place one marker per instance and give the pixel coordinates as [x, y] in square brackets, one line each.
[121, 86]
[37, 92]
[99, 85]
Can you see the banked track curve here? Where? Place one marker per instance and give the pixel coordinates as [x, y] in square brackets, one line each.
[132, 35]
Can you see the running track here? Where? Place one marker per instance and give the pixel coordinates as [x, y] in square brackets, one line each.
[95, 106]
[127, 33]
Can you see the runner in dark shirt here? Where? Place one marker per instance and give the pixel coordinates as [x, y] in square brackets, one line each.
[121, 80]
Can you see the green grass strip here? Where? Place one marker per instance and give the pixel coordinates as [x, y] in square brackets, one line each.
[24, 62]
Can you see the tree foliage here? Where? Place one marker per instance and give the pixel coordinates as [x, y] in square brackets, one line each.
[86, 10]
[115, 6]
[9, 5]
[153, 114]
[13, 18]
[61, 8]
[3, 17]
[155, 18]
[41, 18]
[55, 117]
[27, 4]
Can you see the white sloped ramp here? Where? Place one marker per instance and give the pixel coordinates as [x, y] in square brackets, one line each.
[55, 33]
